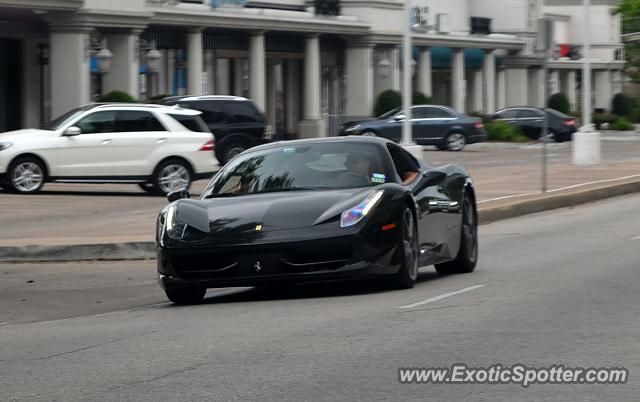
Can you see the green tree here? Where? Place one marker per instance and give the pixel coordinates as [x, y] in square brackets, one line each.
[630, 10]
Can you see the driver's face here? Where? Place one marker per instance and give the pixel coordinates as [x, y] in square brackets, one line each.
[362, 167]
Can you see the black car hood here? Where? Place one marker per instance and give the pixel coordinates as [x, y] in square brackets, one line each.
[272, 211]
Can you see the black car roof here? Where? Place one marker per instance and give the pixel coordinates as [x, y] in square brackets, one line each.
[324, 140]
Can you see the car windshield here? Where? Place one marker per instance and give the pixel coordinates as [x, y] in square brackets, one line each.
[301, 167]
[60, 121]
[390, 113]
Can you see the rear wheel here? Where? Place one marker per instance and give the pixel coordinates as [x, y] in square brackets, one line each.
[171, 175]
[186, 295]
[228, 151]
[455, 141]
[26, 175]
[467, 257]
[406, 276]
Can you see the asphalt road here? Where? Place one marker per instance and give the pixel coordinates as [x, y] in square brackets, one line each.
[558, 288]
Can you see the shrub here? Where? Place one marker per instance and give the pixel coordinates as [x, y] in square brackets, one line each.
[622, 124]
[622, 105]
[598, 119]
[158, 97]
[387, 100]
[503, 132]
[559, 102]
[421, 99]
[117, 96]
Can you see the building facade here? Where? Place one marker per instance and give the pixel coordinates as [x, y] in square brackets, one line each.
[308, 64]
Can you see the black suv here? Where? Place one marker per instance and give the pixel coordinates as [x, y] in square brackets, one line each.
[236, 122]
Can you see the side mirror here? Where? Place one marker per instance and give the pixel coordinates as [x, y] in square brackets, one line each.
[72, 131]
[178, 195]
[430, 178]
[399, 117]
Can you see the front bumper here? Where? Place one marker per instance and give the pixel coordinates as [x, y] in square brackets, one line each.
[343, 257]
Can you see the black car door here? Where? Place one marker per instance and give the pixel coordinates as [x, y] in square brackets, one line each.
[508, 116]
[433, 207]
[530, 122]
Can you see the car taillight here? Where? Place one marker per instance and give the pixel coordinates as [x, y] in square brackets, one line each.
[478, 125]
[208, 146]
[570, 122]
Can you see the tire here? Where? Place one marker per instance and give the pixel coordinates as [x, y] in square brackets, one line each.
[228, 151]
[186, 296]
[455, 141]
[26, 175]
[408, 253]
[171, 175]
[467, 257]
[148, 188]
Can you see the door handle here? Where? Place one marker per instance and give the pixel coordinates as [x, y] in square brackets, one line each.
[105, 142]
[160, 140]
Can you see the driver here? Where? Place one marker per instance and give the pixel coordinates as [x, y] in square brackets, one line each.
[360, 165]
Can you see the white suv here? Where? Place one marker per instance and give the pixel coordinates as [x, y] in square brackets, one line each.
[161, 148]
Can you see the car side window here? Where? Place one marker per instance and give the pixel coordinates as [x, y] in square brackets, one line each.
[403, 162]
[437, 113]
[136, 121]
[419, 113]
[507, 114]
[212, 112]
[98, 122]
[529, 113]
[243, 112]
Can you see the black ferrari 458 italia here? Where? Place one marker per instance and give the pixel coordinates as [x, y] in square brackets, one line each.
[318, 209]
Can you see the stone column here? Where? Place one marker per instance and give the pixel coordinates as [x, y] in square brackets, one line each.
[293, 94]
[70, 85]
[257, 70]
[359, 81]
[501, 91]
[489, 76]
[194, 63]
[536, 87]
[125, 66]
[616, 82]
[223, 75]
[395, 72]
[602, 90]
[570, 88]
[477, 104]
[516, 86]
[458, 87]
[424, 72]
[554, 82]
[312, 124]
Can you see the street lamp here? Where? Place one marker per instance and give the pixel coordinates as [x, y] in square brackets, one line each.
[152, 54]
[98, 47]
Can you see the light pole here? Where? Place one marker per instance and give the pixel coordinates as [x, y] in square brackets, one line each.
[407, 74]
[586, 142]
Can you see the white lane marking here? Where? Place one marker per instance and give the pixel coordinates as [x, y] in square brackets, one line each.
[444, 296]
[507, 196]
[561, 188]
[635, 238]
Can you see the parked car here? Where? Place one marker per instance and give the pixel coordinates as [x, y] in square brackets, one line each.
[236, 122]
[160, 148]
[432, 125]
[531, 119]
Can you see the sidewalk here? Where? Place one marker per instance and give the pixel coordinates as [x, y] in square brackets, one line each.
[118, 214]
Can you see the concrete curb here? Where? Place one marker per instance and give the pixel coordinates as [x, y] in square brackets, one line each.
[146, 250]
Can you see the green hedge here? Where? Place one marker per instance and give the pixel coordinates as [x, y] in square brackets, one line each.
[421, 99]
[622, 105]
[387, 100]
[622, 124]
[503, 132]
[117, 97]
[559, 102]
[598, 119]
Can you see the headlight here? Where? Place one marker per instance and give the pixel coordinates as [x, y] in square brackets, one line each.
[175, 228]
[5, 145]
[353, 128]
[354, 215]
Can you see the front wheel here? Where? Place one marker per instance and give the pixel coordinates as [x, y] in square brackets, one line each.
[26, 176]
[467, 257]
[226, 152]
[455, 141]
[185, 296]
[406, 276]
[172, 175]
